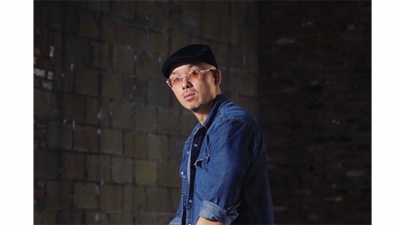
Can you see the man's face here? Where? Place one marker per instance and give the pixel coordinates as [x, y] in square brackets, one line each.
[197, 92]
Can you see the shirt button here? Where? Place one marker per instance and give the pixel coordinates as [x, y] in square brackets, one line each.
[195, 145]
[190, 201]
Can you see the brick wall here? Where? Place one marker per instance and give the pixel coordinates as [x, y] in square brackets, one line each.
[108, 131]
[315, 98]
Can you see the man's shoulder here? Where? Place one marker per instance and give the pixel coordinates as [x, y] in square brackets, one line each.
[234, 111]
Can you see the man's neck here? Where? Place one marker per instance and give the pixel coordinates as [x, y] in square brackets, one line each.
[202, 112]
[201, 117]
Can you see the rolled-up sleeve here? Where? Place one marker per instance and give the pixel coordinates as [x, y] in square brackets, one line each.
[211, 211]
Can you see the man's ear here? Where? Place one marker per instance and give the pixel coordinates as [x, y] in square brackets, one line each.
[217, 77]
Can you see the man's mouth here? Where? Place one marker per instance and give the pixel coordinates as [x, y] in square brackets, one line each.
[188, 96]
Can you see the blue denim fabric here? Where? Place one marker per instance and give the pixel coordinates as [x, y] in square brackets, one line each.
[224, 170]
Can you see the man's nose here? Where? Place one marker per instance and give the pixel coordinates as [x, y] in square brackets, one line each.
[186, 83]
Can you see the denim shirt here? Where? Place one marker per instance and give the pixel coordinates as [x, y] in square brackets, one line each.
[224, 170]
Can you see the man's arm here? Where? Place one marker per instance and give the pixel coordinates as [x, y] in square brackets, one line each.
[202, 221]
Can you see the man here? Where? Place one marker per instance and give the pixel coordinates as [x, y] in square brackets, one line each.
[224, 162]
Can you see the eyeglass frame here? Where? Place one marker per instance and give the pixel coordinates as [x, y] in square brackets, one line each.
[187, 76]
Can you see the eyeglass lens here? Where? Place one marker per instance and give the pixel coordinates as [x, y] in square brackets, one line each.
[193, 76]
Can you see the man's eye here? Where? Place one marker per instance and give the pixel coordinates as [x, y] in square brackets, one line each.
[194, 73]
[177, 79]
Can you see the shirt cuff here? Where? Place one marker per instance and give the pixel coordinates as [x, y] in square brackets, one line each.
[213, 212]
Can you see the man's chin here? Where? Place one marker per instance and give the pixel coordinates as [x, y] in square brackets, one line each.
[194, 109]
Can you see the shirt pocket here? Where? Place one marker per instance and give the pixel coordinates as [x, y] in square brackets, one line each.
[202, 160]
[202, 168]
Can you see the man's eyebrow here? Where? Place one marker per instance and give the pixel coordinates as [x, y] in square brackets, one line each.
[188, 66]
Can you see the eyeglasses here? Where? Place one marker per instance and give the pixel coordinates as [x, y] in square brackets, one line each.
[194, 75]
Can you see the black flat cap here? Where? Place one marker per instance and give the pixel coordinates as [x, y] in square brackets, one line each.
[189, 53]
